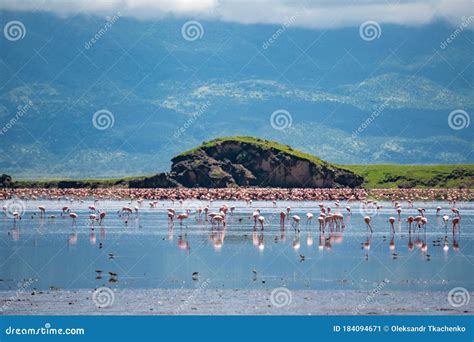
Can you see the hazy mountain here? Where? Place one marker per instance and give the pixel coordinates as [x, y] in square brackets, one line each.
[155, 82]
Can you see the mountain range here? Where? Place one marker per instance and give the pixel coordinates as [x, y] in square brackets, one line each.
[342, 98]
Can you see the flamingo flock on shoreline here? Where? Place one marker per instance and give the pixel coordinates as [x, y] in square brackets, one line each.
[329, 219]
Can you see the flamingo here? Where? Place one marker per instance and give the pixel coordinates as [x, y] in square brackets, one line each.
[74, 217]
[282, 218]
[367, 222]
[255, 215]
[16, 216]
[321, 221]
[127, 210]
[102, 215]
[65, 210]
[456, 222]
[296, 222]
[455, 211]
[42, 210]
[338, 219]
[410, 220]
[181, 217]
[348, 210]
[392, 221]
[309, 218]
[261, 220]
[417, 219]
[219, 218]
[445, 219]
[424, 222]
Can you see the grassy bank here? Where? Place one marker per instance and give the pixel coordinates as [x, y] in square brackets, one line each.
[419, 176]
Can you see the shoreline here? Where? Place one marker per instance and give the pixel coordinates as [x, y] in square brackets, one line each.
[202, 301]
[246, 194]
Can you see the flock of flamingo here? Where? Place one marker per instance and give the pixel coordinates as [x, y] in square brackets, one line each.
[328, 218]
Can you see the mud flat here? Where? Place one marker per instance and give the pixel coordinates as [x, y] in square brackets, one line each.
[232, 302]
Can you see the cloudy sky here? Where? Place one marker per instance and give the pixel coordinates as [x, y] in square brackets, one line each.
[310, 13]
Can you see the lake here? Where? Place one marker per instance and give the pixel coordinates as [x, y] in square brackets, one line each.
[148, 252]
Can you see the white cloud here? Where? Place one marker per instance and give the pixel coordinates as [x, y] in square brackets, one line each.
[307, 13]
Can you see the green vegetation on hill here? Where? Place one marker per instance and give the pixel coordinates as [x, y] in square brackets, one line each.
[419, 176]
[266, 144]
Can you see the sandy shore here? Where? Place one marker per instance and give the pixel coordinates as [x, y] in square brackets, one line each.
[232, 302]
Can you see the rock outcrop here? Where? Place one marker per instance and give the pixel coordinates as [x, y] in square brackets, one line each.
[5, 181]
[245, 161]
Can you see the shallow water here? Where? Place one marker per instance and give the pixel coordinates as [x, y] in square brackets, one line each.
[148, 253]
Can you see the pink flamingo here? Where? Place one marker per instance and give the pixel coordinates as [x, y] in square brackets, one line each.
[182, 217]
[74, 217]
[367, 222]
[42, 210]
[392, 221]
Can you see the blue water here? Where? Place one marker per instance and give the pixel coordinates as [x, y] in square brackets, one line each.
[146, 252]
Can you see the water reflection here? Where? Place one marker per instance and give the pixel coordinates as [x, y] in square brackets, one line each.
[248, 238]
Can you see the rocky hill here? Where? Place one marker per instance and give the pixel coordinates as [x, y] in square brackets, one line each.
[247, 161]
